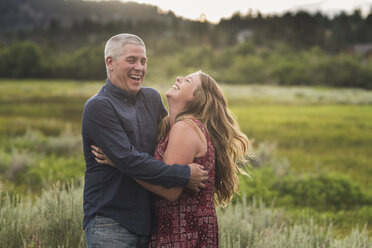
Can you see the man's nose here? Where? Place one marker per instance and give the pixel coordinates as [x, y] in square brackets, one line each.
[138, 66]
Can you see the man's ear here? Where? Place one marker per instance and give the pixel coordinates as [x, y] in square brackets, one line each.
[108, 62]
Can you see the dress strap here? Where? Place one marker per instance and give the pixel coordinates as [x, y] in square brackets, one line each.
[201, 126]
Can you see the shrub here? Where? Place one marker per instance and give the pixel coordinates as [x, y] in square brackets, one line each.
[55, 220]
[85, 63]
[291, 72]
[22, 59]
[67, 143]
[20, 160]
[255, 225]
[196, 57]
[325, 192]
[344, 70]
[5, 159]
[245, 70]
[260, 185]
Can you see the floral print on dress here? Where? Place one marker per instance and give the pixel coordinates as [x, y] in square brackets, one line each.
[190, 221]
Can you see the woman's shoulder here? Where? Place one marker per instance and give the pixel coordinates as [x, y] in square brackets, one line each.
[196, 124]
[190, 125]
[187, 134]
[188, 122]
[181, 125]
[191, 120]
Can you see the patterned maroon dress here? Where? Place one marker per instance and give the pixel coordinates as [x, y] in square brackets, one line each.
[191, 221]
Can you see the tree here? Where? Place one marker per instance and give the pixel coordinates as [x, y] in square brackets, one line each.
[22, 59]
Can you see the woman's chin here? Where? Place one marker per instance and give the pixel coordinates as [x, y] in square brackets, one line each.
[170, 92]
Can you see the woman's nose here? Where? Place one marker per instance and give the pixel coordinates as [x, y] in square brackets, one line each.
[179, 79]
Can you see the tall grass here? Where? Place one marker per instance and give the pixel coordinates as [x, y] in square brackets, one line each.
[55, 220]
[257, 226]
[52, 220]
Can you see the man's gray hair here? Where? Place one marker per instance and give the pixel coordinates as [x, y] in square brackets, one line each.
[114, 46]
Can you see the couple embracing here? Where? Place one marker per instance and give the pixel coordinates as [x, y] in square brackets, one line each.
[152, 178]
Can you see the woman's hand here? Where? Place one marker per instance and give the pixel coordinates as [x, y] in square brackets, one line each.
[101, 157]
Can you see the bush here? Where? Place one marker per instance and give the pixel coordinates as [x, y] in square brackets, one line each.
[66, 144]
[22, 59]
[325, 192]
[196, 57]
[261, 185]
[85, 63]
[245, 70]
[254, 225]
[55, 220]
[33, 161]
[240, 64]
[271, 181]
[290, 73]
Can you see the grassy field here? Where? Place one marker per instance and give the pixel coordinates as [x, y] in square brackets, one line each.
[317, 129]
[307, 141]
[315, 138]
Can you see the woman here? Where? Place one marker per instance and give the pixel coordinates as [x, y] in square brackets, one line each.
[201, 129]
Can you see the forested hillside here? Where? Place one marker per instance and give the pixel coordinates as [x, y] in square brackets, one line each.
[292, 48]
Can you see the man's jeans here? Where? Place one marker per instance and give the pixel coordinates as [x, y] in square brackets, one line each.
[104, 232]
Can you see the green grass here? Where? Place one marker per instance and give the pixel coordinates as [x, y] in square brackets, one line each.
[317, 129]
[315, 137]
[305, 131]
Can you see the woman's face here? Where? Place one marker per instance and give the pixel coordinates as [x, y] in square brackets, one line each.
[184, 88]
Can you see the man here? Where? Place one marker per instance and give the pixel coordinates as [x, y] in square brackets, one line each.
[122, 120]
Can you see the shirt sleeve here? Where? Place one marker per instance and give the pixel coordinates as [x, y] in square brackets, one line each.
[103, 128]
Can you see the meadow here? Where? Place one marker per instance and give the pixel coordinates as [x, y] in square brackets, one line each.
[310, 176]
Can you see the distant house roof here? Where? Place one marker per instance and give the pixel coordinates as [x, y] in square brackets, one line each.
[362, 49]
[244, 35]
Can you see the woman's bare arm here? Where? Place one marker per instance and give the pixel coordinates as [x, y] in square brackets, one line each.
[184, 145]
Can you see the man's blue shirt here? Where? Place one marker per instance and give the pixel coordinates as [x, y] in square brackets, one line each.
[125, 128]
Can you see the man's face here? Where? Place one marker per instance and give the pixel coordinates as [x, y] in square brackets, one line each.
[128, 71]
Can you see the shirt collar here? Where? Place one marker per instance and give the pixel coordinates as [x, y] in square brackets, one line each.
[120, 93]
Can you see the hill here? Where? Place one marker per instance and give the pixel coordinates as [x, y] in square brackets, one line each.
[31, 14]
[72, 22]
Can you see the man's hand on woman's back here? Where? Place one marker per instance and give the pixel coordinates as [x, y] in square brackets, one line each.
[197, 177]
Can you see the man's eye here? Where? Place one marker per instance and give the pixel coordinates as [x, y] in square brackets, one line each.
[131, 61]
[143, 62]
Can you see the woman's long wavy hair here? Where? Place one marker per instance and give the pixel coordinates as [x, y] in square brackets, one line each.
[209, 106]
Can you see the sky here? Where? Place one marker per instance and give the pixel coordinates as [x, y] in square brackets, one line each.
[214, 10]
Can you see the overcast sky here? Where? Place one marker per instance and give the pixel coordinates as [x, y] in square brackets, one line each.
[216, 9]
